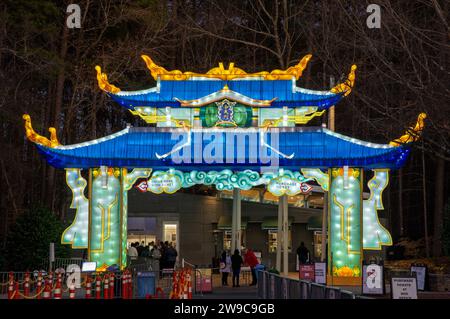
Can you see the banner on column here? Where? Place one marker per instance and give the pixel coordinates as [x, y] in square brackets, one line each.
[320, 274]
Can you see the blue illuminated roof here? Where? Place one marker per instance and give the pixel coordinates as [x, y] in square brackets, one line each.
[284, 92]
[308, 147]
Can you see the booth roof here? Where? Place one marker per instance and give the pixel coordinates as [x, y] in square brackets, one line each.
[296, 148]
[284, 92]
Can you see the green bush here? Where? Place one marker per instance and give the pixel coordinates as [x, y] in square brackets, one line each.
[28, 240]
[274, 271]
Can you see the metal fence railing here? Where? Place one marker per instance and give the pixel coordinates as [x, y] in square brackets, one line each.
[273, 286]
[60, 263]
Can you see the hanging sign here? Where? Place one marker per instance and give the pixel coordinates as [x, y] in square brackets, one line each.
[320, 274]
[306, 272]
[404, 288]
[421, 275]
[373, 280]
[160, 182]
[286, 186]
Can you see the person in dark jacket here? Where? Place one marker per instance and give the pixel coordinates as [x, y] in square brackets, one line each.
[303, 254]
[171, 256]
[236, 263]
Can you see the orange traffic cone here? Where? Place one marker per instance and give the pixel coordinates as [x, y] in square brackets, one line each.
[106, 286]
[111, 286]
[189, 287]
[26, 285]
[11, 286]
[88, 288]
[57, 292]
[16, 291]
[174, 292]
[130, 285]
[39, 285]
[50, 278]
[47, 291]
[124, 285]
[72, 291]
[98, 287]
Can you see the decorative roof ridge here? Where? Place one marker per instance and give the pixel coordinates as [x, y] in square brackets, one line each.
[226, 93]
[227, 74]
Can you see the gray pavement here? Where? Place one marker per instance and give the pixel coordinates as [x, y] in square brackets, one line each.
[243, 292]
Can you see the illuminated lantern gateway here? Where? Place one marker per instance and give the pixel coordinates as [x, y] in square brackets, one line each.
[234, 130]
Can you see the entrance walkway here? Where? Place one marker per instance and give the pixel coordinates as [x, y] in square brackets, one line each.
[243, 292]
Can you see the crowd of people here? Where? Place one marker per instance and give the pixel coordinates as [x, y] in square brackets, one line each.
[162, 252]
[166, 255]
[232, 264]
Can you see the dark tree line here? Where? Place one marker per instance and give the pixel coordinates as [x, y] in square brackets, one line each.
[47, 70]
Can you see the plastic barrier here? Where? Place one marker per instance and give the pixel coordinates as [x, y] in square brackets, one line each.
[145, 284]
[204, 280]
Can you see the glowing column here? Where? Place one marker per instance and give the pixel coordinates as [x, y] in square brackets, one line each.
[105, 222]
[345, 220]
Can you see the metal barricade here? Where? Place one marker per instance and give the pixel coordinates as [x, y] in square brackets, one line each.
[345, 294]
[332, 293]
[294, 289]
[273, 286]
[305, 288]
[317, 291]
[61, 263]
[261, 275]
[278, 287]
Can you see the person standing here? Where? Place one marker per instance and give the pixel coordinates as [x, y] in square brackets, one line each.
[163, 259]
[225, 267]
[171, 256]
[251, 260]
[236, 263]
[132, 252]
[140, 248]
[302, 253]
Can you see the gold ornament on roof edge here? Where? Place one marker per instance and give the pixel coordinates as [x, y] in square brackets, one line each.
[346, 86]
[39, 139]
[103, 83]
[226, 74]
[413, 133]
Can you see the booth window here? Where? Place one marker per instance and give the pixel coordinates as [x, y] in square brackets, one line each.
[271, 225]
[317, 244]
[273, 240]
[227, 239]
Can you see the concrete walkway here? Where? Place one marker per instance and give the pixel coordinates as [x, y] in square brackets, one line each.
[242, 292]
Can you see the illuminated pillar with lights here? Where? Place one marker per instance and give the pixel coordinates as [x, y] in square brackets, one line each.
[108, 189]
[105, 217]
[345, 226]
